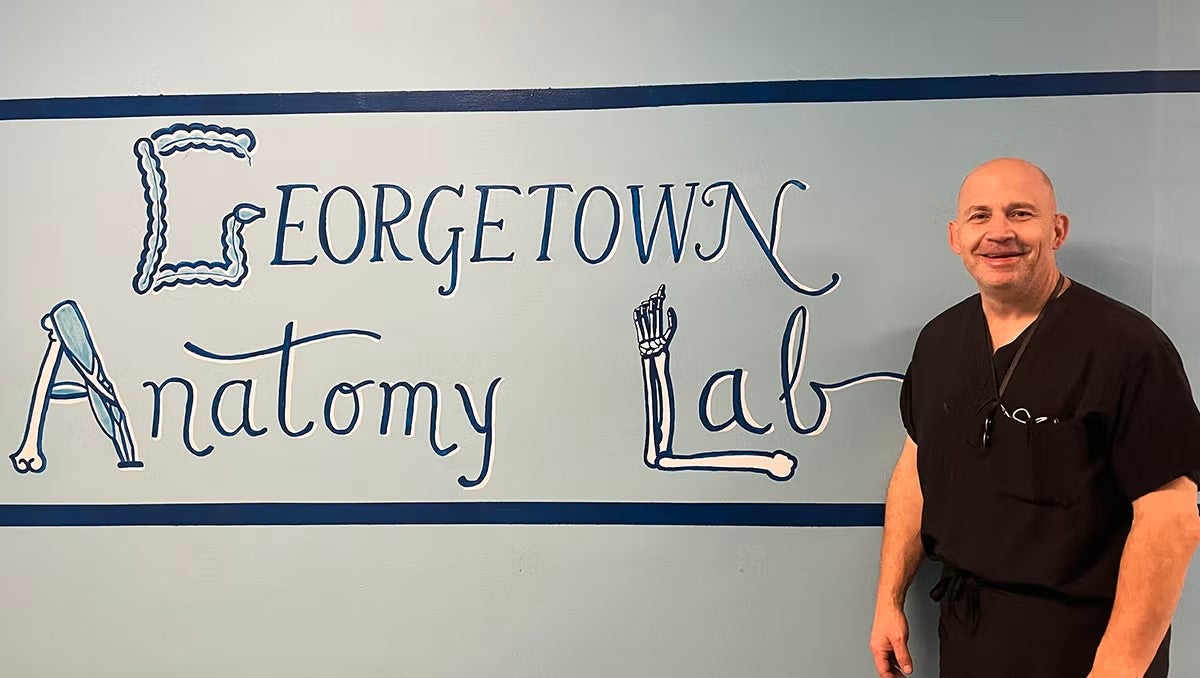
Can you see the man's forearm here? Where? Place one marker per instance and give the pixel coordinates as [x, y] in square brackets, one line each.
[1153, 568]
[901, 552]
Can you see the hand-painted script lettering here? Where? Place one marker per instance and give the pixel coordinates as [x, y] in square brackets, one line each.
[388, 393]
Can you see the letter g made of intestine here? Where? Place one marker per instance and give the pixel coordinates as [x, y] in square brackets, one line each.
[152, 274]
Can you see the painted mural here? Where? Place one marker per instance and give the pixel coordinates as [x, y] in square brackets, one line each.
[385, 214]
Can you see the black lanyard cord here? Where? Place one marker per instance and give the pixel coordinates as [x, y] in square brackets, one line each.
[1024, 342]
[998, 401]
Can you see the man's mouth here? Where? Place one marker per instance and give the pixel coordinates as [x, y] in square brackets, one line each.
[1001, 256]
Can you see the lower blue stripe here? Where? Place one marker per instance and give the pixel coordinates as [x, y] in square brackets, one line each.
[445, 513]
[918, 88]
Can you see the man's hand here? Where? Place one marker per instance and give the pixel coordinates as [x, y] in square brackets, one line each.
[889, 642]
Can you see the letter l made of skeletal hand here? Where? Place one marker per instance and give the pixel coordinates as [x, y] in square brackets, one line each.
[654, 333]
[655, 325]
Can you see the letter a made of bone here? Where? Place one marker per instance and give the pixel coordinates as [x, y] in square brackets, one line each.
[69, 336]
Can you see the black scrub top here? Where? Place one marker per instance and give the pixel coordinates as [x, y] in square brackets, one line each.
[1097, 413]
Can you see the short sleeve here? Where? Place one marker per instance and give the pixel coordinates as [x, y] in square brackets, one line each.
[1156, 430]
[906, 405]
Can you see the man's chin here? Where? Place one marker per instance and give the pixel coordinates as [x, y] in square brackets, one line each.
[990, 280]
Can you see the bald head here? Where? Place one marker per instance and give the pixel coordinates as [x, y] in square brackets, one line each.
[1007, 172]
[1007, 228]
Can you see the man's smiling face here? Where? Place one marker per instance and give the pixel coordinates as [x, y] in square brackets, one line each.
[1007, 227]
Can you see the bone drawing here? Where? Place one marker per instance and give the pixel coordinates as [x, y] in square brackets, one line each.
[655, 328]
[70, 337]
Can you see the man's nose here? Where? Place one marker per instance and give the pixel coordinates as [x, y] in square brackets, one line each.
[1000, 229]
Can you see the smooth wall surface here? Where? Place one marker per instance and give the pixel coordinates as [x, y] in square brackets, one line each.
[296, 267]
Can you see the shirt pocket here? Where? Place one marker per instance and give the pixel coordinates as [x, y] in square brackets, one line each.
[954, 433]
[1044, 463]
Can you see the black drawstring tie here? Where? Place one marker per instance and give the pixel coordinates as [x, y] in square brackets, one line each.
[960, 590]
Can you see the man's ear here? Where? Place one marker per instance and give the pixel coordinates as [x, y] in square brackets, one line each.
[952, 237]
[1062, 226]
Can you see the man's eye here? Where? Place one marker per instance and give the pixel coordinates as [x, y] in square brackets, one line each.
[1021, 213]
[978, 216]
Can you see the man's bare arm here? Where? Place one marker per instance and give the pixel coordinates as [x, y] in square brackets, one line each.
[901, 556]
[1154, 564]
[901, 553]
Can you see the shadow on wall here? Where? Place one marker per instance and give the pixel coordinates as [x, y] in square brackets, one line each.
[1125, 275]
[922, 613]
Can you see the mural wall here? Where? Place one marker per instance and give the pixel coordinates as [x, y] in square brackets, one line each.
[465, 339]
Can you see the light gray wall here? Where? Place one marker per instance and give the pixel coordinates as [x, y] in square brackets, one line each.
[531, 600]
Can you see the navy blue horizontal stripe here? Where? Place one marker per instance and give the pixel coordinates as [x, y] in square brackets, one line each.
[595, 98]
[445, 513]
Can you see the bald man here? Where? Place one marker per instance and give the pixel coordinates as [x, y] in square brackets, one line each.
[1051, 461]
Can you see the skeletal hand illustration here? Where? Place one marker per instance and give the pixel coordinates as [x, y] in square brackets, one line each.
[654, 334]
[655, 328]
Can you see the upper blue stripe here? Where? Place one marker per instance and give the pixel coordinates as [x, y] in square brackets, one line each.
[445, 513]
[593, 98]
